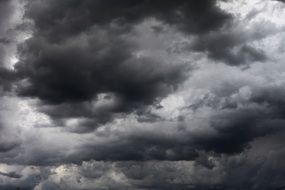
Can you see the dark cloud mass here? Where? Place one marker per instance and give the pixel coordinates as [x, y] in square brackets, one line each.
[70, 17]
[142, 94]
[82, 49]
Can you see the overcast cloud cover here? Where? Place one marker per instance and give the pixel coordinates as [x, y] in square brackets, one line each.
[142, 94]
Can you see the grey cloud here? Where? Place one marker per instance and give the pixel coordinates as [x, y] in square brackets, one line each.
[231, 45]
[6, 9]
[83, 49]
[8, 139]
[71, 17]
[9, 32]
[11, 174]
[86, 68]
[129, 83]
[230, 173]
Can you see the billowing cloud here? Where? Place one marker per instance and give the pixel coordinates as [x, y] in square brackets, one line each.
[145, 94]
[82, 57]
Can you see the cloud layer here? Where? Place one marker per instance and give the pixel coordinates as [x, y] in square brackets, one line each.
[142, 94]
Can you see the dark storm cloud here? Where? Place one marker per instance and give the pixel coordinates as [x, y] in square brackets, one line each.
[221, 48]
[236, 122]
[140, 148]
[72, 74]
[230, 133]
[84, 63]
[7, 77]
[82, 49]
[235, 129]
[71, 17]
[5, 41]
[232, 44]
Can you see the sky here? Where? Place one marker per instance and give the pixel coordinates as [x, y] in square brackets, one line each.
[142, 95]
